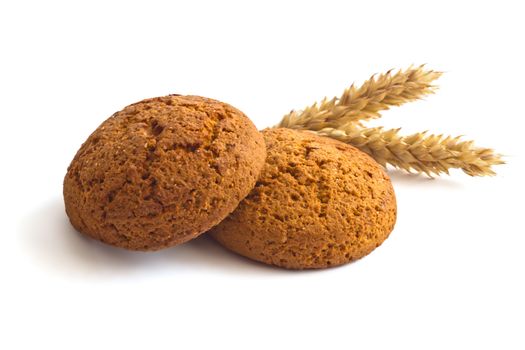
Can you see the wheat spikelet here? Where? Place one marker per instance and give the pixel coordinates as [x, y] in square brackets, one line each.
[420, 152]
[364, 103]
[341, 118]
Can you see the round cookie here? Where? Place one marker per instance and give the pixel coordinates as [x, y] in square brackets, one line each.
[317, 203]
[162, 171]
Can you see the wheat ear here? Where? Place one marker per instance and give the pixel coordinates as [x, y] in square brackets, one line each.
[420, 152]
[378, 93]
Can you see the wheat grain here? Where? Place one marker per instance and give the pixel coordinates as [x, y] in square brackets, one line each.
[419, 152]
[359, 104]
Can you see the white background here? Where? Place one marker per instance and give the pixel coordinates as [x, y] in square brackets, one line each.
[449, 277]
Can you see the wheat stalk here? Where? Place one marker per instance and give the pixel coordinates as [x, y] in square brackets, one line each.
[419, 152]
[341, 118]
[359, 104]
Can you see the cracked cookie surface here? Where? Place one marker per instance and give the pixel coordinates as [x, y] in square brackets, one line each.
[317, 203]
[162, 171]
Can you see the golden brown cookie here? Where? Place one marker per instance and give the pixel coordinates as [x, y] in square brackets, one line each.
[162, 171]
[317, 203]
